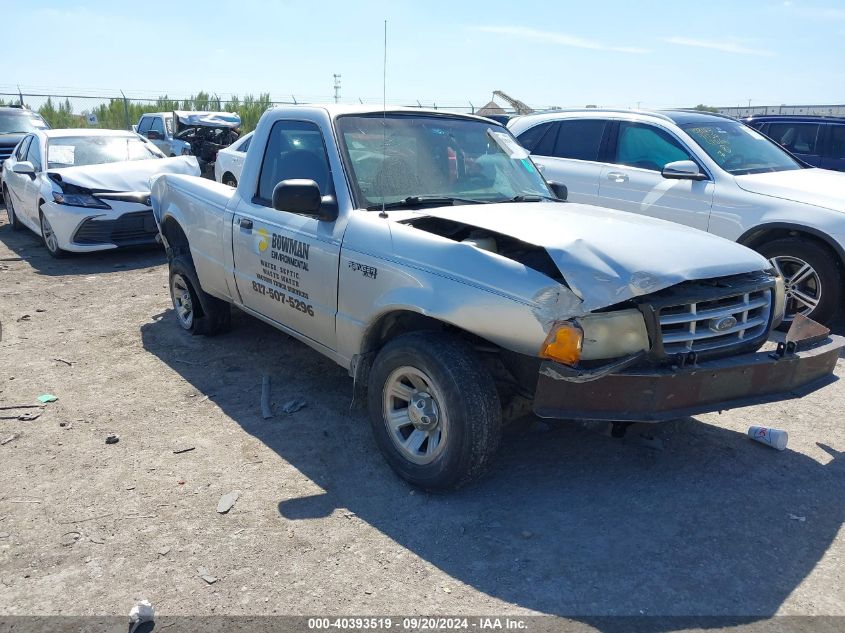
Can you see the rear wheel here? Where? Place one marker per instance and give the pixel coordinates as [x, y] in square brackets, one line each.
[434, 410]
[196, 311]
[10, 211]
[811, 275]
[49, 237]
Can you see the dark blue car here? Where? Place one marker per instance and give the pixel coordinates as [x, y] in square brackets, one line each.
[817, 140]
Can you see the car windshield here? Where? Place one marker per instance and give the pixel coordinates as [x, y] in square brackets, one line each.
[739, 149]
[73, 151]
[21, 122]
[407, 158]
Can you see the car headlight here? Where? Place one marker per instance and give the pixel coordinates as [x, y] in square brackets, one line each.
[79, 200]
[601, 336]
[778, 301]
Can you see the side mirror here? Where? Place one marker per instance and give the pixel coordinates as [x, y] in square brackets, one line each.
[24, 167]
[303, 197]
[154, 136]
[683, 170]
[559, 189]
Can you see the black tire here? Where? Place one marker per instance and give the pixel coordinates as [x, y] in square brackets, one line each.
[229, 179]
[209, 315]
[465, 397]
[51, 244]
[14, 222]
[828, 276]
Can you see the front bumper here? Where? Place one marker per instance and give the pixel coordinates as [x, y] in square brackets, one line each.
[656, 395]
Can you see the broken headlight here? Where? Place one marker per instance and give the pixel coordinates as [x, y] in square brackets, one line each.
[601, 336]
[79, 200]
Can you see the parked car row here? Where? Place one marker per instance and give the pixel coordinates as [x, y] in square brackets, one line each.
[709, 172]
[817, 140]
[459, 281]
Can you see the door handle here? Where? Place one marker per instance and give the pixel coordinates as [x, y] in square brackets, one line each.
[246, 224]
[617, 176]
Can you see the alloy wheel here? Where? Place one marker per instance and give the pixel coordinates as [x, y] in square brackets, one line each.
[49, 235]
[802, 283]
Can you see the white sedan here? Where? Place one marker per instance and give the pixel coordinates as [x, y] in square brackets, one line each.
[230, 161]
[86, 190]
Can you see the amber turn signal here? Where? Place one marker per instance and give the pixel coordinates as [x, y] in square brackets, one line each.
[563, 343]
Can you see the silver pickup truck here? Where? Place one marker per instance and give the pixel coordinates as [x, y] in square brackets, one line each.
[424, 252]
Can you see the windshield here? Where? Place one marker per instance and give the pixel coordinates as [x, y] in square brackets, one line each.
[21, 122]
[739, 149]
[73, 151]
[397, 157]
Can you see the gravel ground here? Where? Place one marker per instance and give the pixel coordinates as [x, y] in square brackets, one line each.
[570, 522]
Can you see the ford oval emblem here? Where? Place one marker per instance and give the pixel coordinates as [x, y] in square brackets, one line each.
[722, 324]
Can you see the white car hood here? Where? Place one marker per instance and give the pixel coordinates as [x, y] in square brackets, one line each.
[819, 187]
[133, 175]
[609, 256]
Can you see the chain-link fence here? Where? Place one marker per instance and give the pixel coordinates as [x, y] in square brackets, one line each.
[121, 112]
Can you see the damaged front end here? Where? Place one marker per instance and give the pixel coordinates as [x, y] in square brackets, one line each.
[636, 390]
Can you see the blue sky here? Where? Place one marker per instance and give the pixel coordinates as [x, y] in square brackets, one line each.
[546, 53]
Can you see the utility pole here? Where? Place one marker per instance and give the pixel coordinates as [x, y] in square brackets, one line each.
[336, 88]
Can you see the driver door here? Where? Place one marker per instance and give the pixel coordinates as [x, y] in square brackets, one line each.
[28, 191]
[634, 182]
[286, 263]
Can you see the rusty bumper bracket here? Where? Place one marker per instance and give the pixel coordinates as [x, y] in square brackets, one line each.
[656, 395]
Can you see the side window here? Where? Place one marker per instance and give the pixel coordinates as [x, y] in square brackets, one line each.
[33, 154]
[837, 141]
[157, 126]
[295, 149]
[647, 147]
[579, 138]
[245, 145]
[22, 147]
[144, 125]
[531, 137]
[798, 138]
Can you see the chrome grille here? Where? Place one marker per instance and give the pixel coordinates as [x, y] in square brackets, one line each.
[715, 323]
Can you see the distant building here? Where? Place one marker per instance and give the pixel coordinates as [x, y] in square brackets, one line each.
[491, 107]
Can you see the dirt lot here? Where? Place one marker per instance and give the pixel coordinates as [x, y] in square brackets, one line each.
[570, 522]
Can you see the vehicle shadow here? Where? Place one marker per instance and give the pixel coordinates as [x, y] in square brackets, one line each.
[569, 522]
[29, 248]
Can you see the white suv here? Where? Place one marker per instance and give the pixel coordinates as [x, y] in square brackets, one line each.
[706, 171]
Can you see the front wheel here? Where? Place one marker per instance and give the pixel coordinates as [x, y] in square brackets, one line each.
[49, 237]
[811, 275]
[434, 410]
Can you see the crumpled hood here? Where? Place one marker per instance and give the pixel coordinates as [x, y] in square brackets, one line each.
[133, 175]
[609, 256]
[819, 187]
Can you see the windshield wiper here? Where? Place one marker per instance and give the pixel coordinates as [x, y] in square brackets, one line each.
[424, 201]
[533, 197]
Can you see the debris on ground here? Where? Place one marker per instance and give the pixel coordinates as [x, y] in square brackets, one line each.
[776, 438]
[143, 611]
[164, 551]
[62, 360]
[12, 437]
[5, 534]
[47, 397]
[96, 538]
[227, 501]
[187, 449]
[40, 310]
[294, 405]
[69, 538]
[203, 573]
[9, 407]
[29, 416]
[112, 438]
[266, 412]
[25, 317]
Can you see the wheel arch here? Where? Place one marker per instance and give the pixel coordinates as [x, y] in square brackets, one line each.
[759, 235]
[175, 238]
